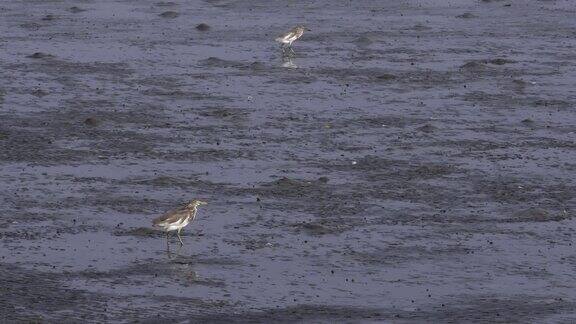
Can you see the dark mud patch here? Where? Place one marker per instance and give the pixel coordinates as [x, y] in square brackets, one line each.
[398, 254]
[386, 77]
[119, 203]
[208, 261]
[493, 309]
[474, 66]
[165, 4]
[19, 146]
[551, 103]
[204, 155]
[486, 66]
[417, 79]
[334, 225]
[513, 190]
[51, 301]
[140, 232]
[47, 63]
[255, 242]
[333, 211]
[166, 181]
[48, 297]
[539, 215]
[500, 61]
[486, 309]
[176, 263]
[427, 128]
[292, 188]
[221, 63]
[381, 167]
[298, 313]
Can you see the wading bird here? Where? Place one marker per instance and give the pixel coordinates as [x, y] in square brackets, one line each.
[287, 39]
[178, 218]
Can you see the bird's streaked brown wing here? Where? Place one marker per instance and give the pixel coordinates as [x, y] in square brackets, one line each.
[294, 31]
[171, 216]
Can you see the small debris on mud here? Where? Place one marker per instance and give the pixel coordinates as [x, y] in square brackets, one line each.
[202, 27]
[165, 4]
[323, 179]
[315, 228]
[49, 18]
[466, 15]
[427, 128]
[76, 9]
[169, 14]
[528, 121]
[386, 77]
[40, 55]
[500, 61]
[92, 121]
[39, 93]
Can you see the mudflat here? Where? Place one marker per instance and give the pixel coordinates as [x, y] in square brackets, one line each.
[415, 161]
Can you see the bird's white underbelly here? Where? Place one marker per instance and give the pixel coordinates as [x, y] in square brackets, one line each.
[177, 225]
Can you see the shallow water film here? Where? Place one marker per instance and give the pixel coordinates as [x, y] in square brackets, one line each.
[411, 161]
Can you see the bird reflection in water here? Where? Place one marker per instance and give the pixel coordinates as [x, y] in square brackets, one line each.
[173, 255]
[288, 62]
[185, 271]
[183, 266]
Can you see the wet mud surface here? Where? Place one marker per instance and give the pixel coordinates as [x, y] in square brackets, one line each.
[414, 162]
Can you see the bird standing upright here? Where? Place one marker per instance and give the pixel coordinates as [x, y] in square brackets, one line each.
[178, 218]
[287, 39]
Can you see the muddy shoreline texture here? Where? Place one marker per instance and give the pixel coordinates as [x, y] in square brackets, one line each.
[415, 162]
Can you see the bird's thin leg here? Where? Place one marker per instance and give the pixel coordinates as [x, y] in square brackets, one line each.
[179, 237]
[168, 249]
[168, 239]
